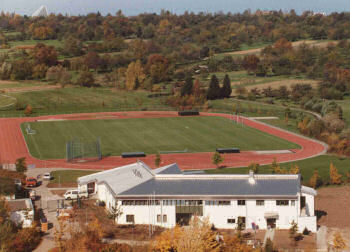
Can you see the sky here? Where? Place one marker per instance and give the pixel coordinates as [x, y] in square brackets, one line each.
[134, 7]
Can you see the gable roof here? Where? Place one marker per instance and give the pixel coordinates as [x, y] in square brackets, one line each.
[19, 204]
[169, 169]
[138, 180]
[121, 178]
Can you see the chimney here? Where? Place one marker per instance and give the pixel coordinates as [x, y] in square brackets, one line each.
[251, 177]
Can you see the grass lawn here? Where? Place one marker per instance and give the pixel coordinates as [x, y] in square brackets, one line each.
[307, 167]
[51, 42]
[196, 134]
[345, 105]
[68, 176]
[73, 99]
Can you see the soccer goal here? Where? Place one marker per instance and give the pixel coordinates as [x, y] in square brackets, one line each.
[83, 151]
[29, 130]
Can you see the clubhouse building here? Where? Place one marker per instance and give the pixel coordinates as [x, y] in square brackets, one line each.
[166, 196]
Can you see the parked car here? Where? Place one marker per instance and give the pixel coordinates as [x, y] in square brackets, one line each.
[74, 194]
[47, 176]
[31, 182]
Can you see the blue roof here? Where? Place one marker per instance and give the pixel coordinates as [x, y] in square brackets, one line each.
[216, 187]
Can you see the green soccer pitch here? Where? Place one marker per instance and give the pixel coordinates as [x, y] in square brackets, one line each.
[150, 135]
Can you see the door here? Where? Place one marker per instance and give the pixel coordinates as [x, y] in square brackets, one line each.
[91, 187]
[183, 219]
[271, 223]
[302, 202]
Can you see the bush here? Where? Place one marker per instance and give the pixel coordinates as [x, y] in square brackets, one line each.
[306, 231]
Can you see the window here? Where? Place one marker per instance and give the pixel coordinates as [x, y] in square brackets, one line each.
[241, 202]
[130, 218]
[260, 202]
[159, 218]
[282, 202]
[224, 203]
[292, 202]
[231, 221]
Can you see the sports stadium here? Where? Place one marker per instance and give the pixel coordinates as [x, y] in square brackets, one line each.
[109, 139]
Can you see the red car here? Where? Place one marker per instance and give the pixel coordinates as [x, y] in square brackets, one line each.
[31, 182]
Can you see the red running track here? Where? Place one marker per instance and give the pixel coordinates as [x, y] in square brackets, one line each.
[13, 146]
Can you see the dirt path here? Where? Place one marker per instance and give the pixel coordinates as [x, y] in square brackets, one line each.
[13, 146]
[295, 44]
[29, 89]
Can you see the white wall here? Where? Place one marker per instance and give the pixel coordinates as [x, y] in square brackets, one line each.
[309, 222]
[218, 215]
[253, 213]
[148, 215]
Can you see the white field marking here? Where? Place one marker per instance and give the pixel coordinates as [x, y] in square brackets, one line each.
[264, 118]
[51, 120]
[14, 100]
[274, 152]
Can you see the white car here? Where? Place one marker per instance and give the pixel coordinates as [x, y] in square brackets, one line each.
[74, 194]
[47, 176]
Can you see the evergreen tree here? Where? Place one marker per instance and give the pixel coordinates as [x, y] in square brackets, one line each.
[21, 165]
[187, 89]
[214, 88]
[137, 83]
[226, 89]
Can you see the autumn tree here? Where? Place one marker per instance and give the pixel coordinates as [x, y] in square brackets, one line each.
[135, 70]
[58, 74]
[269, 247]
[315, 180]
[226, 89]
[338, 242]
[85, 79]
[181, 239]
[335, 177]
[157, 160]
[217, 159]
[254, 167]
[157, 67]
[115, 212]
[139, 48]
[28, 110]
[293, 233]
[92, 60]
[250, 63]
[187, 88]
[44, 54]
[39, 71]
[294, 169]
[72, 47]
[214, 88]
[197, 91]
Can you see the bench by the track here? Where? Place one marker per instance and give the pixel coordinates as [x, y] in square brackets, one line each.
[188, 113]
[133, 154]
[228, 150]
